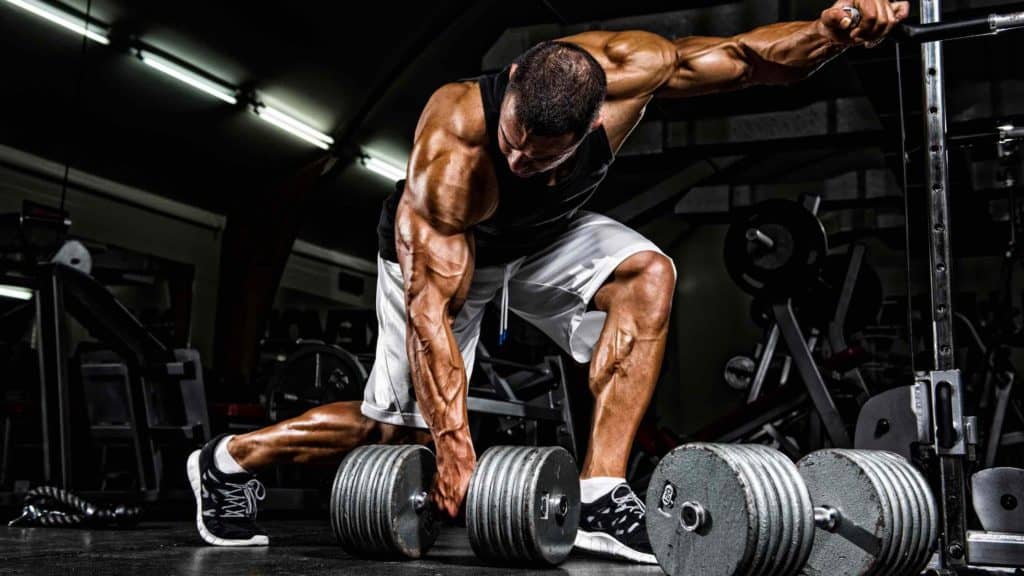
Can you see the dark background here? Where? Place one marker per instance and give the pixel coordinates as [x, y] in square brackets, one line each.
[136, 139]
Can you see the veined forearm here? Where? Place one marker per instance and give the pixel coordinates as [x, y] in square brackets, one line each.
[787, 51]
[438, 376]
[774, 54]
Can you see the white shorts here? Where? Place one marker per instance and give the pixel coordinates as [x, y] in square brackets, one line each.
[549, 289]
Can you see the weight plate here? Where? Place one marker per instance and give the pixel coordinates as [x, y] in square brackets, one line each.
[413, 526]
[931, 513]
[893, 560]
[314, 374]
[920, 529]
[345, 504]
[790, 265]
[764, 519]
[739, 372]
[903, 520]
[781, 517]
[523, 505]
[379, 502]
[698, 477]
[864, 534]
[803, 511]
[998, 497]
[789, 498]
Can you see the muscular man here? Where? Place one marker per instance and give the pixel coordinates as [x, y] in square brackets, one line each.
[501, 168]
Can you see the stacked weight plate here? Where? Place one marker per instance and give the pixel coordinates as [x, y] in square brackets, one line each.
[523, 505]
[715, 509]
[889, 520]
[379, 502]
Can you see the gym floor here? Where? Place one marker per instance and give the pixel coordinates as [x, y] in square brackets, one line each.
[297, 548]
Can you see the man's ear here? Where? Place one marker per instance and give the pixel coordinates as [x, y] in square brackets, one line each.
[599, 121]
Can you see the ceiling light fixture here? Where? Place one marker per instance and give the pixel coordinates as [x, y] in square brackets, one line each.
[16, 292]
[182, 74]
[293, 126]
[186, 74]
[385, 169]
[60, 18]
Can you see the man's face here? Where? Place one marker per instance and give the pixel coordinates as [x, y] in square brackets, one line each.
[527, 154]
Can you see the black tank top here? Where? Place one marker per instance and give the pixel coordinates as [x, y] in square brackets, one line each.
[530, 213]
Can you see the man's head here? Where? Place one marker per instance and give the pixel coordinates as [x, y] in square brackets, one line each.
[553, 99]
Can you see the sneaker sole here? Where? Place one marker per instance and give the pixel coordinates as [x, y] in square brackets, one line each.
[194, 479]
[606, 545]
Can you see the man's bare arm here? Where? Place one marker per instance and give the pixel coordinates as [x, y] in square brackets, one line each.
[642, 64]
[445, 195]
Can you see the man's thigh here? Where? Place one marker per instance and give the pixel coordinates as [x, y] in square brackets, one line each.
[553, 288]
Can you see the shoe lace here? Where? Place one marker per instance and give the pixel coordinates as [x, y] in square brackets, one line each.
[240, 499]
[627, 501]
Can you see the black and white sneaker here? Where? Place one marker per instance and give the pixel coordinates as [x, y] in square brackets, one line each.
[614, 526]
[225, 503]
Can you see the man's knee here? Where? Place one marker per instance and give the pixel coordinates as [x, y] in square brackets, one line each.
[650, 278]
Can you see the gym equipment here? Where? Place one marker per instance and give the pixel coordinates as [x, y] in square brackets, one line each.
[73, 253]
[879, 513]
[777, 252]
[314, 374]
[523, 505]
[526, 403]
[52, 507]
[739, 372]
[998, 497]
[380, 501]
[953, 433]
[747, 509]
[776, 249]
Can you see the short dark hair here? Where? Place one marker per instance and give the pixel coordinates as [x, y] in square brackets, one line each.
[559, 88]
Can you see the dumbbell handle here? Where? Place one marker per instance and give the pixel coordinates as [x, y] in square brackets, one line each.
[827, 518]
[692, 516]
[558, 503]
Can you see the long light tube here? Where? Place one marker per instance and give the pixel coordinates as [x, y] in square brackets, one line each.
[194, 80]
[60, 18]
[16, 292]
[293, 126]
[385, 169]
[183, 74]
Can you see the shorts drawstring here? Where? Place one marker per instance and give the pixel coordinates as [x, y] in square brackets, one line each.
[503, 322]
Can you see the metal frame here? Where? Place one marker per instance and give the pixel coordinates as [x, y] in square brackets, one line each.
[53, 379]
[536, 393]
[951, 458]
[786, 320]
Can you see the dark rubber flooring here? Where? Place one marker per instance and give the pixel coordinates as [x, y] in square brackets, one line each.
[296, 548]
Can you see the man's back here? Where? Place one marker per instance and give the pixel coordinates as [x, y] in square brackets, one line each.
[524, 213]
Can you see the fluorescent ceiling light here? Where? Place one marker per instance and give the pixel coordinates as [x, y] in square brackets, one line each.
[73, 23]
[293, 126]
[194, 80]
[385, 169]
[1006, 127]
[16, 292]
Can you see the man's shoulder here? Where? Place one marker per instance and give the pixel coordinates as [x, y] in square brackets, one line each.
[457, 109]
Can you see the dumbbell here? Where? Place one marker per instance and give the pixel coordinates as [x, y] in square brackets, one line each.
[522, 506]
[720, 509]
